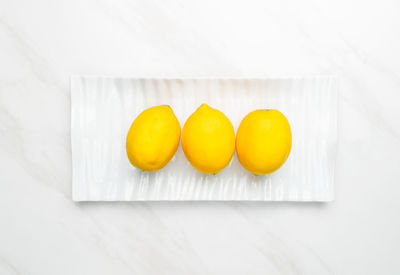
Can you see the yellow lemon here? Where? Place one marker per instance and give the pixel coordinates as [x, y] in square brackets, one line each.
[263, 141]
[153, 138]
[208, 139]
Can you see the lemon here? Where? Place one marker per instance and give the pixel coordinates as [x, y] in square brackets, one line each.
[263, 141]
[153, 138]
[208, 140]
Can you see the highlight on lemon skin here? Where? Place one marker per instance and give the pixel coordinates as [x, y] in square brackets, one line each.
[153, 138]
[263, 141]
[208, 140]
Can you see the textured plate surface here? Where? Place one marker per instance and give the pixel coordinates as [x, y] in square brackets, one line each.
[103, 109]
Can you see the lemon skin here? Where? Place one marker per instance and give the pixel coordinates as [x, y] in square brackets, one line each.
[263, 141]
[153, 138]
[208, 140]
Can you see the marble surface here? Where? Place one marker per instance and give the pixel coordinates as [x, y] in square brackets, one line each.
[43, 42]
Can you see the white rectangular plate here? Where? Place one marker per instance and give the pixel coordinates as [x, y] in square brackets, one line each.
[103, 109]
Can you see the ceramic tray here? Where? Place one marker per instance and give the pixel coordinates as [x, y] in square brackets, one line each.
[103, 108]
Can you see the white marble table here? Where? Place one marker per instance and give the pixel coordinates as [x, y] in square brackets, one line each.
[43, 42]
